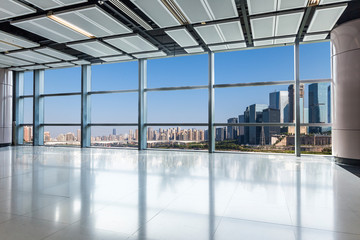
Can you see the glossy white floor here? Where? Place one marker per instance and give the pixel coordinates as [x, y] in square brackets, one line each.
[69, 193]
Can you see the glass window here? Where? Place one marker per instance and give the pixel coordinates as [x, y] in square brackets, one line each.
[315, 66]
[114, 108]
[28, 110]
[178, 71]
[64, 109]
[28, 83]
[116, 76]
[63, 80]
[62, 135]
[114, 136]
[315, 140]
[273, 103]
[257, 65]
[177, 137]
[180, 106]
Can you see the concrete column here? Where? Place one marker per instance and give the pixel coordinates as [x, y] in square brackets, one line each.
[6, 100]
[345, 55]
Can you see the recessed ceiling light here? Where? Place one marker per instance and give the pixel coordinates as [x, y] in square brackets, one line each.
[312, 3]
[70, 25]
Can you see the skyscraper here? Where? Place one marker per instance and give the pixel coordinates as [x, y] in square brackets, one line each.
[241, 129]
[78, 137]
[253, 114]
[232, 130]
[291, 92]
[271, 115]
[318, 105]
[280, 100]
[114, 131]
[220, 134]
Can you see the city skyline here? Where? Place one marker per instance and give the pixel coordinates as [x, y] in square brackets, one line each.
[182, 106]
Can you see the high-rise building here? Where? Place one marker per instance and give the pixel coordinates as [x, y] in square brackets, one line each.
[280, 100]
[47, 136]
[241, 129]
[271, 115]
[318, 105]
[253, 114]
[70, 137]
[220, 134]
[114, 131]
[27, 133]
[232, 130]
[291, 95]
[78, 136]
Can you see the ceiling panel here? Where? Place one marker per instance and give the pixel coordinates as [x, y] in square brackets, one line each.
[10, 61]
[195, 11]
[3, 66]
[31, 56]
[157, 12]
[131, 44]
[95, 21]
[47, 28]
[325, 18]
[95, 48]
[182, 37]
[117, 58]
[81, 62]
[50, 4]
[263, 43]
[194, 50]
[315, 37]
[263, 27]
[284, 40]
[55, 53]
[7, 47]
[227, 46]
[261, 6]
[150, 55]
[35, 67]
[14, 8]
[17, 69]
[218, 47]
[60, 65]
[222, 9]
[322, 2]
[10, 42]
[231, 31]
[236, 45]
[209, 33]
[286, 4]
[288, 24]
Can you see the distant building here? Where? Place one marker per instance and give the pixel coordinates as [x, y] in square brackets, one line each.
[271, 115]
[47, 136]
[232, 131]
[291, 95]
[220, 134]
[114, 131]
[78, 138]
[280, 100]
[241, 129]
[253, 114]
[318, 105]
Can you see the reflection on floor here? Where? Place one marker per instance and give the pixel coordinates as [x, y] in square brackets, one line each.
[70, 193]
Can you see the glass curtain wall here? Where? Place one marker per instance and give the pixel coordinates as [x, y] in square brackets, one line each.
[27, 96]
[254, 102]
[177, 103]
[114, 105]
[62, 107]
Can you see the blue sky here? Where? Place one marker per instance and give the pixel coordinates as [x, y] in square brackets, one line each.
[268, 64]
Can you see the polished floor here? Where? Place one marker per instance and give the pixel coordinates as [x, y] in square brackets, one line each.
[55, 193]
